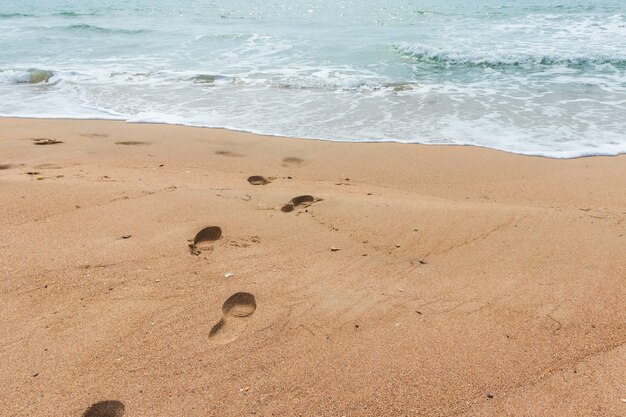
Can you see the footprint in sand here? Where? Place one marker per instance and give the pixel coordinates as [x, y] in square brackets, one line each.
[45, 141]
[228, 154]
[292, 161]
[4, 166]
[234, 311]
[302, 200]
[203, 242]
[132, 143]
[259, 180]
[94, 135]
[48, 166]
[105, 409]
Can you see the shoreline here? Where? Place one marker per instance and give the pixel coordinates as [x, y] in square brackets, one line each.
[257, 133]
[419, 280]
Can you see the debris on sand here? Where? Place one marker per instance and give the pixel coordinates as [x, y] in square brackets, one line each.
[46, 141]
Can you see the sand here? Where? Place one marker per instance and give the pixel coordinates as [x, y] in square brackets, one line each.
[420, 280]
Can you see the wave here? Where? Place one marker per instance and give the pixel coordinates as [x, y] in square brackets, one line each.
[210, 79]
[62, 14]
[358, 86]
[98, 29]
[426, 12]
[11, 15]
[341, 83]
[30, 76]
[72, 14]
[306, 83]
[443, 57]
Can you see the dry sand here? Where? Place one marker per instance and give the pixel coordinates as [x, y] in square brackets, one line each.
[517, 306]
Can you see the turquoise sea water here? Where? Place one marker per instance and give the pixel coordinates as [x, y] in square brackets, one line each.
[541, 77]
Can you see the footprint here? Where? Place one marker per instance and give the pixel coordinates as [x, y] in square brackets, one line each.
[48, 166]
[4, 166]
[228, 153]
[105, 409]
[132, 142]
[292, 161]
[305, 200]
[203, 242]
[238, 306]
[45, 141]
[94, 135]
[259, 180]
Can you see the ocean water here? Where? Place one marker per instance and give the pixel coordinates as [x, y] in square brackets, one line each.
[539, 77]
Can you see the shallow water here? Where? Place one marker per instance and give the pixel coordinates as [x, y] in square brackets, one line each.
[539, 77]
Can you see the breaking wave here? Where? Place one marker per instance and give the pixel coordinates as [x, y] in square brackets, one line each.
[443, 57]
[30, 76]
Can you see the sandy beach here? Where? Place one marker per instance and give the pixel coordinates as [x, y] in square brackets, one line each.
[417, 280]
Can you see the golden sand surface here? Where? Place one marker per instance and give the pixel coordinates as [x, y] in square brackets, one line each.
[355, 279]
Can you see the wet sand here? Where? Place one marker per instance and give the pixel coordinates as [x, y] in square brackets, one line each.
[416, 280]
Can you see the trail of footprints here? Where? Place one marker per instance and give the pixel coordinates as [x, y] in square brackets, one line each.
[237, 306]
[241, 305]
[236, 310]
